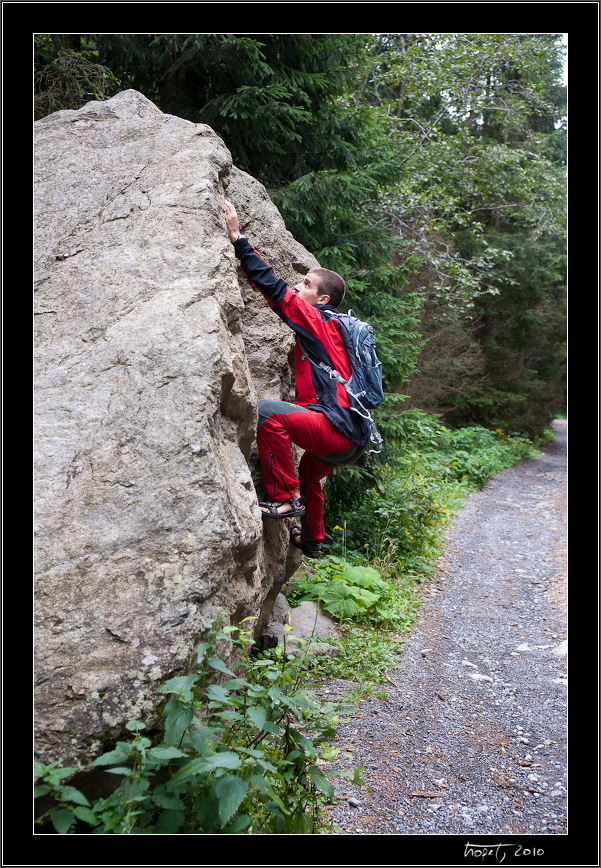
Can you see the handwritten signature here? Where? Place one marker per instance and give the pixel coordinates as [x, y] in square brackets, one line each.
[498, 852]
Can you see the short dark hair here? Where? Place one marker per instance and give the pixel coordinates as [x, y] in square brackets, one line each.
[330, 283]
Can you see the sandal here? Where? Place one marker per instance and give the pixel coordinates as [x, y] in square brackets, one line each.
[298, 508]
[312, 550]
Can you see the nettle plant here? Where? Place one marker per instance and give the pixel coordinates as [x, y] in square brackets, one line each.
[242, 756]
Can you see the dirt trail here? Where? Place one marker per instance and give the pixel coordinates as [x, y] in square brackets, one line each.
[472, 738]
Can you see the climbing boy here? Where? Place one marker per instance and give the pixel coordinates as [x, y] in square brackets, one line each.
[321, 421]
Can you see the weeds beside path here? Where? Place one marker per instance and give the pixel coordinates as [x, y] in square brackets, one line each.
[472, 736]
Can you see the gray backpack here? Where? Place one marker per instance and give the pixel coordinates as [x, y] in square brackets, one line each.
[364, 387]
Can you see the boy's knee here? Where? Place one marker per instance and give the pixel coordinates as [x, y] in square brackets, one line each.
[267, 407]
[264, 411]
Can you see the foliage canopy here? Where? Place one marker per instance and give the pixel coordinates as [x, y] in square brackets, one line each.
[428, 169]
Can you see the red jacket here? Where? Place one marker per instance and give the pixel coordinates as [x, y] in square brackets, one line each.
[321, 336]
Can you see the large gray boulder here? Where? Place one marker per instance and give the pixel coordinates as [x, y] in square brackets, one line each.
[151, 351]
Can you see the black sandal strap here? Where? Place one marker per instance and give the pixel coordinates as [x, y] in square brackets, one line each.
[310, 550]
[298, 508]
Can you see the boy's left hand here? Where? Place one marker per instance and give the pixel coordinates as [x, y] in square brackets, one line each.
[231, 222]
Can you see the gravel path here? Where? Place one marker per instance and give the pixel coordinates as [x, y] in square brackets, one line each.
[472, 737]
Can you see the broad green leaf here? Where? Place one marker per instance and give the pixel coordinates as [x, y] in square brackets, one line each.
[257, 754]
[181, 684]
[85, 814]
[190, 770]
[166, 799]
[343, 608]
[52, 773]
[217, 693]
[277, 802]
[337, 591]
[364, 597]
[165, 752]
[259, 781]
[321, 782]
[71, 794]
[229, 715]
[319, 588]
[240, 823]
[258, 715]
[178, 720]
[61, 820]
[223, 760]
[202, 650]
[265, 765]
[107, 759]
[235, 683]
[202, 740]
[364, 576]
[301, 741]
[216, 663]
[203, 765]
[230, 792]
[169, 822]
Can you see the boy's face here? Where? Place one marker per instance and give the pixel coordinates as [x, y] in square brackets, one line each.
[308, 289]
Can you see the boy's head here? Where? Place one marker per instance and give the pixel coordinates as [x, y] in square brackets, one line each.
[330, 283]
[322, 286]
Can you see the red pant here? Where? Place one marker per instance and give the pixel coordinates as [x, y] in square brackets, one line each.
[281, 424]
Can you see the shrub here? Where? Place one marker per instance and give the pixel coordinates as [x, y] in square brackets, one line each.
[405, 498]
[240, 756]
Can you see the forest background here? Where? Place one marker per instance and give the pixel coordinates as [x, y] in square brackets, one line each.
[430, 171]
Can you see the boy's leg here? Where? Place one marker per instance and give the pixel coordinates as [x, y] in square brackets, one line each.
[281, 423]
[275, 454]
[311, 472]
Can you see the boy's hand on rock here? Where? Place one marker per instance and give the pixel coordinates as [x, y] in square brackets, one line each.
[231, 221]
